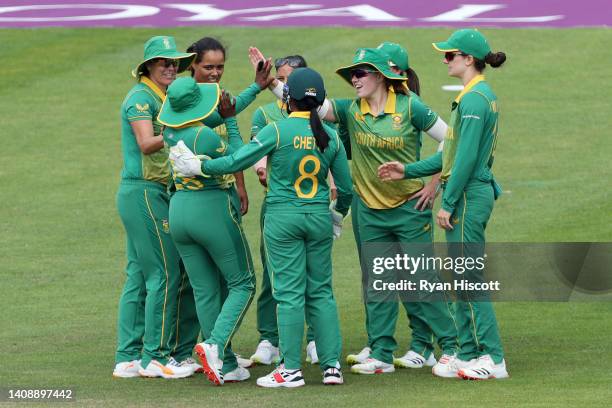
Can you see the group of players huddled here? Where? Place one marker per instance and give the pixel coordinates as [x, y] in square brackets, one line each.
[182, 197]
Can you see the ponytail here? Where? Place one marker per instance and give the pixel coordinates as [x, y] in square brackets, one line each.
[495, 60]
[310, 104]
[413, 81]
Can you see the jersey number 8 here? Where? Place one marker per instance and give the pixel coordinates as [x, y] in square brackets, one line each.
[304, 175]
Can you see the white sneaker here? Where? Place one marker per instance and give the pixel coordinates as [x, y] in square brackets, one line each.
[209, 356]
[265, 354]
[413, 359]
[484, 369]
[127, 369]
[311, 353]
[237, 375]
[360, 357]
[243, 362]
[448, 366]
[372, 366]
[190, 362]
[282, 377]
[171, 370]
[333, 375]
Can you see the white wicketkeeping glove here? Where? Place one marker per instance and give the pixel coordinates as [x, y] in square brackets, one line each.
[337, 219]
[184, 162]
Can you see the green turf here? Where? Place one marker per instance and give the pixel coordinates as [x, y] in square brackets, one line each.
[62, 245]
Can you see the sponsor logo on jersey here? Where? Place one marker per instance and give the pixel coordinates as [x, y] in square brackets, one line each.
[142, 108]
[165, 226]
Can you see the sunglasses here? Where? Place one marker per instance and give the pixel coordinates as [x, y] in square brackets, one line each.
[360, 72]
[167, 62]
[449, 56]
[292, 61]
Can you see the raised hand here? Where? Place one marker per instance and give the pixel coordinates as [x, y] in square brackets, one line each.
[227, 105]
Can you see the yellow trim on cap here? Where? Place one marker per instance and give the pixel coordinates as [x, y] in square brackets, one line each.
[147, 81]
[469, 86]
[441, 50]
[375, 69]
[199, 118]
[302, 114]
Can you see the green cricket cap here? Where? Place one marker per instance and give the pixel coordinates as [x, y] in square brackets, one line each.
[187, 101]
[163, 46]
[397, 54]
[372, 57]
[468, 41]
[303, 82]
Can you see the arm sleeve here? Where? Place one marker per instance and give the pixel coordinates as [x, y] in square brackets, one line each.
[233, 133]
[213, 120]
[341, 110]
[246, 97]
[140, 106]
[425, 167]
[342, 178]
[472, 109]
[258, 122]
[421, 115]
[246, 156]
[208, 142]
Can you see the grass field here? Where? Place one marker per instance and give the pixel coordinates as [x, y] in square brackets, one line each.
[62, 244]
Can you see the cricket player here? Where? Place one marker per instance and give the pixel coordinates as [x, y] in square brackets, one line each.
[208, 67]
[469, 194]
[205, 228]
[267, 349]
[298, 230]
[147, 307]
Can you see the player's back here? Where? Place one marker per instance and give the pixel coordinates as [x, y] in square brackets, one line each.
[297, 169]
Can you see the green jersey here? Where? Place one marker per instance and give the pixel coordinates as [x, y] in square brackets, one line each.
[273, 112]
[244, 99]
[201, 140]
[395, 134]
[297, 169]
[142, 102]
[469, 145]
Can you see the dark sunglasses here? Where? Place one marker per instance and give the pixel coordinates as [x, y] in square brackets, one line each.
[292, 61]
[360, 72]
[168, 62]
[449, 56]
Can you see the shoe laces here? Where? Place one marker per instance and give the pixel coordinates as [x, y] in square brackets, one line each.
[173, 362]
[187, 361]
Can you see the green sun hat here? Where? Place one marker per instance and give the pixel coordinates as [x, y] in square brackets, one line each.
[187, 101]
[303, 82]
[373, 57]
[468, 41]
[163, 46]
[397, 54]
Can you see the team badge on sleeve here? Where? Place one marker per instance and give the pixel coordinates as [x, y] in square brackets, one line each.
[142, 108]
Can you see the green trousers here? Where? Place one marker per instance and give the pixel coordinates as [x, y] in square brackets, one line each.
[428, 320]
[212, 245]
[298, 249]
[478, 333]
[147, 307]
[266, 305]
[188, 327]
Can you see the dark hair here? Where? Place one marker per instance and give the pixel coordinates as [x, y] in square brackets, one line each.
[294, 61]
[493, 59]
[399, 87]
[203, 45]
[309, 103]
[413, 81]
